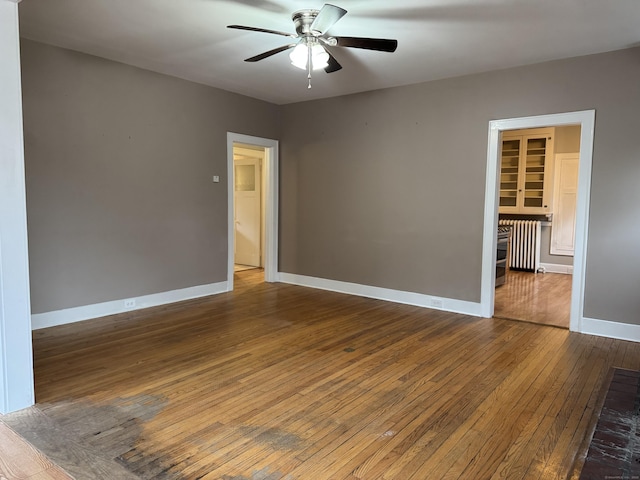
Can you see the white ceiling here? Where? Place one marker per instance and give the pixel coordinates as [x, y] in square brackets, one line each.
[436, 38]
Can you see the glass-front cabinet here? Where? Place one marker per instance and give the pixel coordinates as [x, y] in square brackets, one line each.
[525, 171]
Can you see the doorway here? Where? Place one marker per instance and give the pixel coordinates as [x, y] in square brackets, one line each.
[544, 163]
[257, 159]
[248, 214]
[586, 120]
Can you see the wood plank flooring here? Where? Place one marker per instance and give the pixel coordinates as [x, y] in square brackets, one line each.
[279, 382]
[543, 298]
[19, 460]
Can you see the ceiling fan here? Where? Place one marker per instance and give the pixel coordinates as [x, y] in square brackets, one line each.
[310, 51]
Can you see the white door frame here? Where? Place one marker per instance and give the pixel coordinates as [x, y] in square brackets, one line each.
[270, 170]
[16, 351]
[586, 120]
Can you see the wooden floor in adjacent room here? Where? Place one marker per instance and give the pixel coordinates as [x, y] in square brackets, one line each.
[543, 298]
[280, 382]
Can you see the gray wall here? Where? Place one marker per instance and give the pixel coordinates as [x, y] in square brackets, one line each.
[386, 189]
[119, 162]
[388, 186]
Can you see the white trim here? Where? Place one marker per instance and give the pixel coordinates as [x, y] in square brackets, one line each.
[557, 268]
[586, 119]
[490, 232]
[97, 310]
[605, 328]
[397, 296]
[16, 354]
[271, 208]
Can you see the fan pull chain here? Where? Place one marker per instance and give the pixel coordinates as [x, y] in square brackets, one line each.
[309, 66]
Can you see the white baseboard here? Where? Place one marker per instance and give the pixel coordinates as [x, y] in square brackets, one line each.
[557, 268]
[86, 312]
[605, 328]
[397, 296]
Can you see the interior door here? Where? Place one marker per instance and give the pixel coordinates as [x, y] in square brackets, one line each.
[565, 200]
[247, 218]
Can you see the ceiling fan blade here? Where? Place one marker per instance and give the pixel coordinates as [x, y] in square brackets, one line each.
[264, 55]
[328, 16]
[333, 66]
[379, 44]
[265, 30]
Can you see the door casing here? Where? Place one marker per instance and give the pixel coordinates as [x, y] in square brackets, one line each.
[586, 120]
[270, 170]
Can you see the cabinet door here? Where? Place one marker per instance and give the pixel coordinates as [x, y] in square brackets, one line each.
[510, 175]
[535, 162]
[526, 181]
[564, 199]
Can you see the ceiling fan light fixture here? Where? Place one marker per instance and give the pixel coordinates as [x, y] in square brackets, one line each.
[319, 57]
[301, 54]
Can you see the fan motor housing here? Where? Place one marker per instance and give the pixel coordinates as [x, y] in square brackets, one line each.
[302, 20]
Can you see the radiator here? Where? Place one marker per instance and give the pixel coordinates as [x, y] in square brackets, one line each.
[525, 244]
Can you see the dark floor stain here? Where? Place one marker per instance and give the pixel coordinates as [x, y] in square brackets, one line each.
[110, 428]
[273, 437]
[86, 437]
[279, 440]
[160, 466]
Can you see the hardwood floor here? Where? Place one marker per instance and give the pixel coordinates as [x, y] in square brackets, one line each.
[19, 460]
[275, 382]
[543, 298]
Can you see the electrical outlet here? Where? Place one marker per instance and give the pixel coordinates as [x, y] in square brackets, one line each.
[130, 303]
[436, 302]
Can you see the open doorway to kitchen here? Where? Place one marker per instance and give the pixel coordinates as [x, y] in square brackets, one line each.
[586, 121]
[252, 166]
[536, 227]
